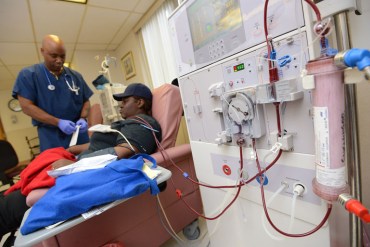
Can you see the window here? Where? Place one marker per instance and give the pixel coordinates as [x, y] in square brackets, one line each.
[158, 47]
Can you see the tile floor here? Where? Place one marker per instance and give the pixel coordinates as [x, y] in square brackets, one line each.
[202, 241]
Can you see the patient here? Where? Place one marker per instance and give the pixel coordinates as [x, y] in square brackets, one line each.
[135, 109]
[139, 128]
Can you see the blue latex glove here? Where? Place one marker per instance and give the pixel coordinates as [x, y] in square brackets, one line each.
[83, 125]
[68, 127]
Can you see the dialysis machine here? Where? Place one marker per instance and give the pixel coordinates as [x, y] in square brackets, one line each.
[263, 100]
[109, 107]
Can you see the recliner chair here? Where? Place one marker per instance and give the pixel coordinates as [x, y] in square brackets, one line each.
[9, 163]
[136, 222]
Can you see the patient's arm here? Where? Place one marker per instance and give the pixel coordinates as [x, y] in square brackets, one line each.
[77, 149]
[125, 151]
[60, 163]
[35, 195]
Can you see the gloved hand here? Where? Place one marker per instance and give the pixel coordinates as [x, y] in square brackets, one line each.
[83, 125]
[68, 127]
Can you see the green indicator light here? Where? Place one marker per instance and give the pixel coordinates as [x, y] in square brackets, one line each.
[238, 67]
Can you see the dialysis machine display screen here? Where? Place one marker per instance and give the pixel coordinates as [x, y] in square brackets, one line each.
[210, 20]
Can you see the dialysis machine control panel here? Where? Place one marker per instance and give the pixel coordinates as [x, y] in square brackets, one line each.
[204, 32]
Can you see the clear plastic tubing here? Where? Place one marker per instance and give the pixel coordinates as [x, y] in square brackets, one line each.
[292, 212]
[328, 117]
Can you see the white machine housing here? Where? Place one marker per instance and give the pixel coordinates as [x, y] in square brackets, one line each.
[110, 107]
[224, 82]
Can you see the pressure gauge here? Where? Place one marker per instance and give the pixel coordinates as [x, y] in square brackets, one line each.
[240, 108]
[14, 105]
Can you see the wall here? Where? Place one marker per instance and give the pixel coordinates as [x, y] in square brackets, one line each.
[2, 133]
[133, 44]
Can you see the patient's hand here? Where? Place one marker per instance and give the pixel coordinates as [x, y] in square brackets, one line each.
[77, 149]
[35, 195]
[61, 163]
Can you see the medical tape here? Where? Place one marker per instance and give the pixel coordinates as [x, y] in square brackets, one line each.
[75, 136]
[276, 147]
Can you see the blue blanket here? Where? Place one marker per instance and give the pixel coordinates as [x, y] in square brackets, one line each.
[76, 193]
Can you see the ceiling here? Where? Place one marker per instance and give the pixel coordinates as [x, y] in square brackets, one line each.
[100, 25]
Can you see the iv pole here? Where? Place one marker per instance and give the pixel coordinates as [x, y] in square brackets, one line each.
[351, 133]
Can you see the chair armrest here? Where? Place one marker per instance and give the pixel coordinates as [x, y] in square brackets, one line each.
[16, 170]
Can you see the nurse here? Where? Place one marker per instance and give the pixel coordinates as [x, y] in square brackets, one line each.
[56, 97]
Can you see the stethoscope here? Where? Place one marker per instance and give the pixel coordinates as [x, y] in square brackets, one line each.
[73, 88]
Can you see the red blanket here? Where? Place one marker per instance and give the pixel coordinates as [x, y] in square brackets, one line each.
[35, 174]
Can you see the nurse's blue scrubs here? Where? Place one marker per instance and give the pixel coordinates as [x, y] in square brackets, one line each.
[32, 83]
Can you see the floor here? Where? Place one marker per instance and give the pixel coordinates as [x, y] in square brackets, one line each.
[202, 241]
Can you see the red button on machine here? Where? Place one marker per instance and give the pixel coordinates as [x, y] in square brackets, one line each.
[226, 169]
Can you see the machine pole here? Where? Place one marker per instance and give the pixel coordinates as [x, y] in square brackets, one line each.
[351, 132]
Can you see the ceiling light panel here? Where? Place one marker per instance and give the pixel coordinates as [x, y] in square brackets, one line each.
[75, 1]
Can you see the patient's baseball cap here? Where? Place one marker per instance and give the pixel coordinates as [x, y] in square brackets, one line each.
[135, 89]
